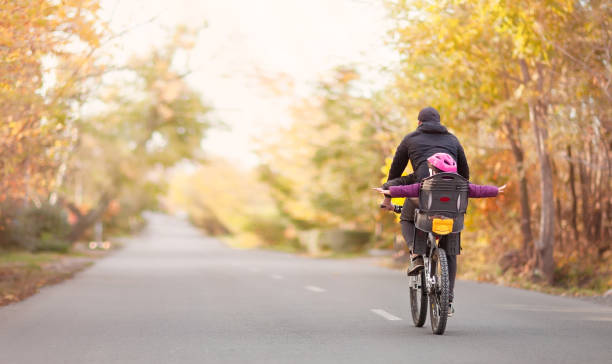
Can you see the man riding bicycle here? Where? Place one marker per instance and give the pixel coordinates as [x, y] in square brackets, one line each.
[429, 138]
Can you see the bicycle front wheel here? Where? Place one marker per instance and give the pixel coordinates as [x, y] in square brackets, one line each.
[439, 295]
[418, 299]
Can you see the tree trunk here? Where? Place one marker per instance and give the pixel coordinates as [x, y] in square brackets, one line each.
[544, 245]
[560, 238]
[574, 212]
[584, 192]
[84, 222]
[545, 263]
[545, 242]
[519, 156]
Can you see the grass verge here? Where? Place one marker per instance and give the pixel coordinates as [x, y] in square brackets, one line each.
[470, 268]
[22, 274]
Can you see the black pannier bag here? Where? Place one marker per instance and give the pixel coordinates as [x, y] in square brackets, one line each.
[443, 197]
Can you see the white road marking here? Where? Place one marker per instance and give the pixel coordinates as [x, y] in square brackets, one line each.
[315, 289]
[276, 276]
[385, 314]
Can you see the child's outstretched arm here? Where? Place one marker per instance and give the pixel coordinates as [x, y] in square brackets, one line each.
[411, 190]
[401, 191]
[480, 191]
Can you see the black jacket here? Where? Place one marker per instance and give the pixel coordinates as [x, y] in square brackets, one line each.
[429, 138]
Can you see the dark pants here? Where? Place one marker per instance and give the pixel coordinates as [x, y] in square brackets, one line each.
[452, 273]
[407, 224]
[408, 233]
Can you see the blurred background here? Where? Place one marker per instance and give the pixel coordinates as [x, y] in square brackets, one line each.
[266, 123]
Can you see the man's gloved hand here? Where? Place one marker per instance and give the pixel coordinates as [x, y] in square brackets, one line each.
[386, 204]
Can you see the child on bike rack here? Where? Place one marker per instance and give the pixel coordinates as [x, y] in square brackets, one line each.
[437, 163]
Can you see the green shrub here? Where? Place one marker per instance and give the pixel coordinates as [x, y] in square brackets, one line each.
[43, 228]
[8, 212]
[336, 240]
[269, 229]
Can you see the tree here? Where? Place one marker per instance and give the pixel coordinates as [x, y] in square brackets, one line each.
[491, 67]
[321, 168]
[153, 122]
[34, 101]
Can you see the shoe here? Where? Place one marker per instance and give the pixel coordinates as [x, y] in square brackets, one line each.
[451, 309]
[417, 265]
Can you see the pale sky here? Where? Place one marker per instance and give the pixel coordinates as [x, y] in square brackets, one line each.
[303, 40]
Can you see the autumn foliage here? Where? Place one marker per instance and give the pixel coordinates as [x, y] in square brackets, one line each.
[34, 99]
[525, 85]
[53, 154]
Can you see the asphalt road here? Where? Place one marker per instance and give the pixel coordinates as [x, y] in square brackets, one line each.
[173, 295]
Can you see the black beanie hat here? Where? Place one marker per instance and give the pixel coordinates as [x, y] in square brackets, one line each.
[429, 114]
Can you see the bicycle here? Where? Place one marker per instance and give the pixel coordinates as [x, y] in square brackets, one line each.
[443, 202]
[435, 290]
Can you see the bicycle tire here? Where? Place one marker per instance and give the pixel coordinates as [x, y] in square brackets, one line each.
[418, 300]
[438, 300]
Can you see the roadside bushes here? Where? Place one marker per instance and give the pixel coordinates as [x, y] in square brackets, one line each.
[337, 240]
[270, 229]
[33, 228]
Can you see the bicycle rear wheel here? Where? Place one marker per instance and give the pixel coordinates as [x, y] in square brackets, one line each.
[418, 299]
[438, 305]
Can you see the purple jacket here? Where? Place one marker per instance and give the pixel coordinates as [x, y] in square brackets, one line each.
[476, 191]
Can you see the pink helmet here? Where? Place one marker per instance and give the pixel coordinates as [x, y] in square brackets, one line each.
[443, 162]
